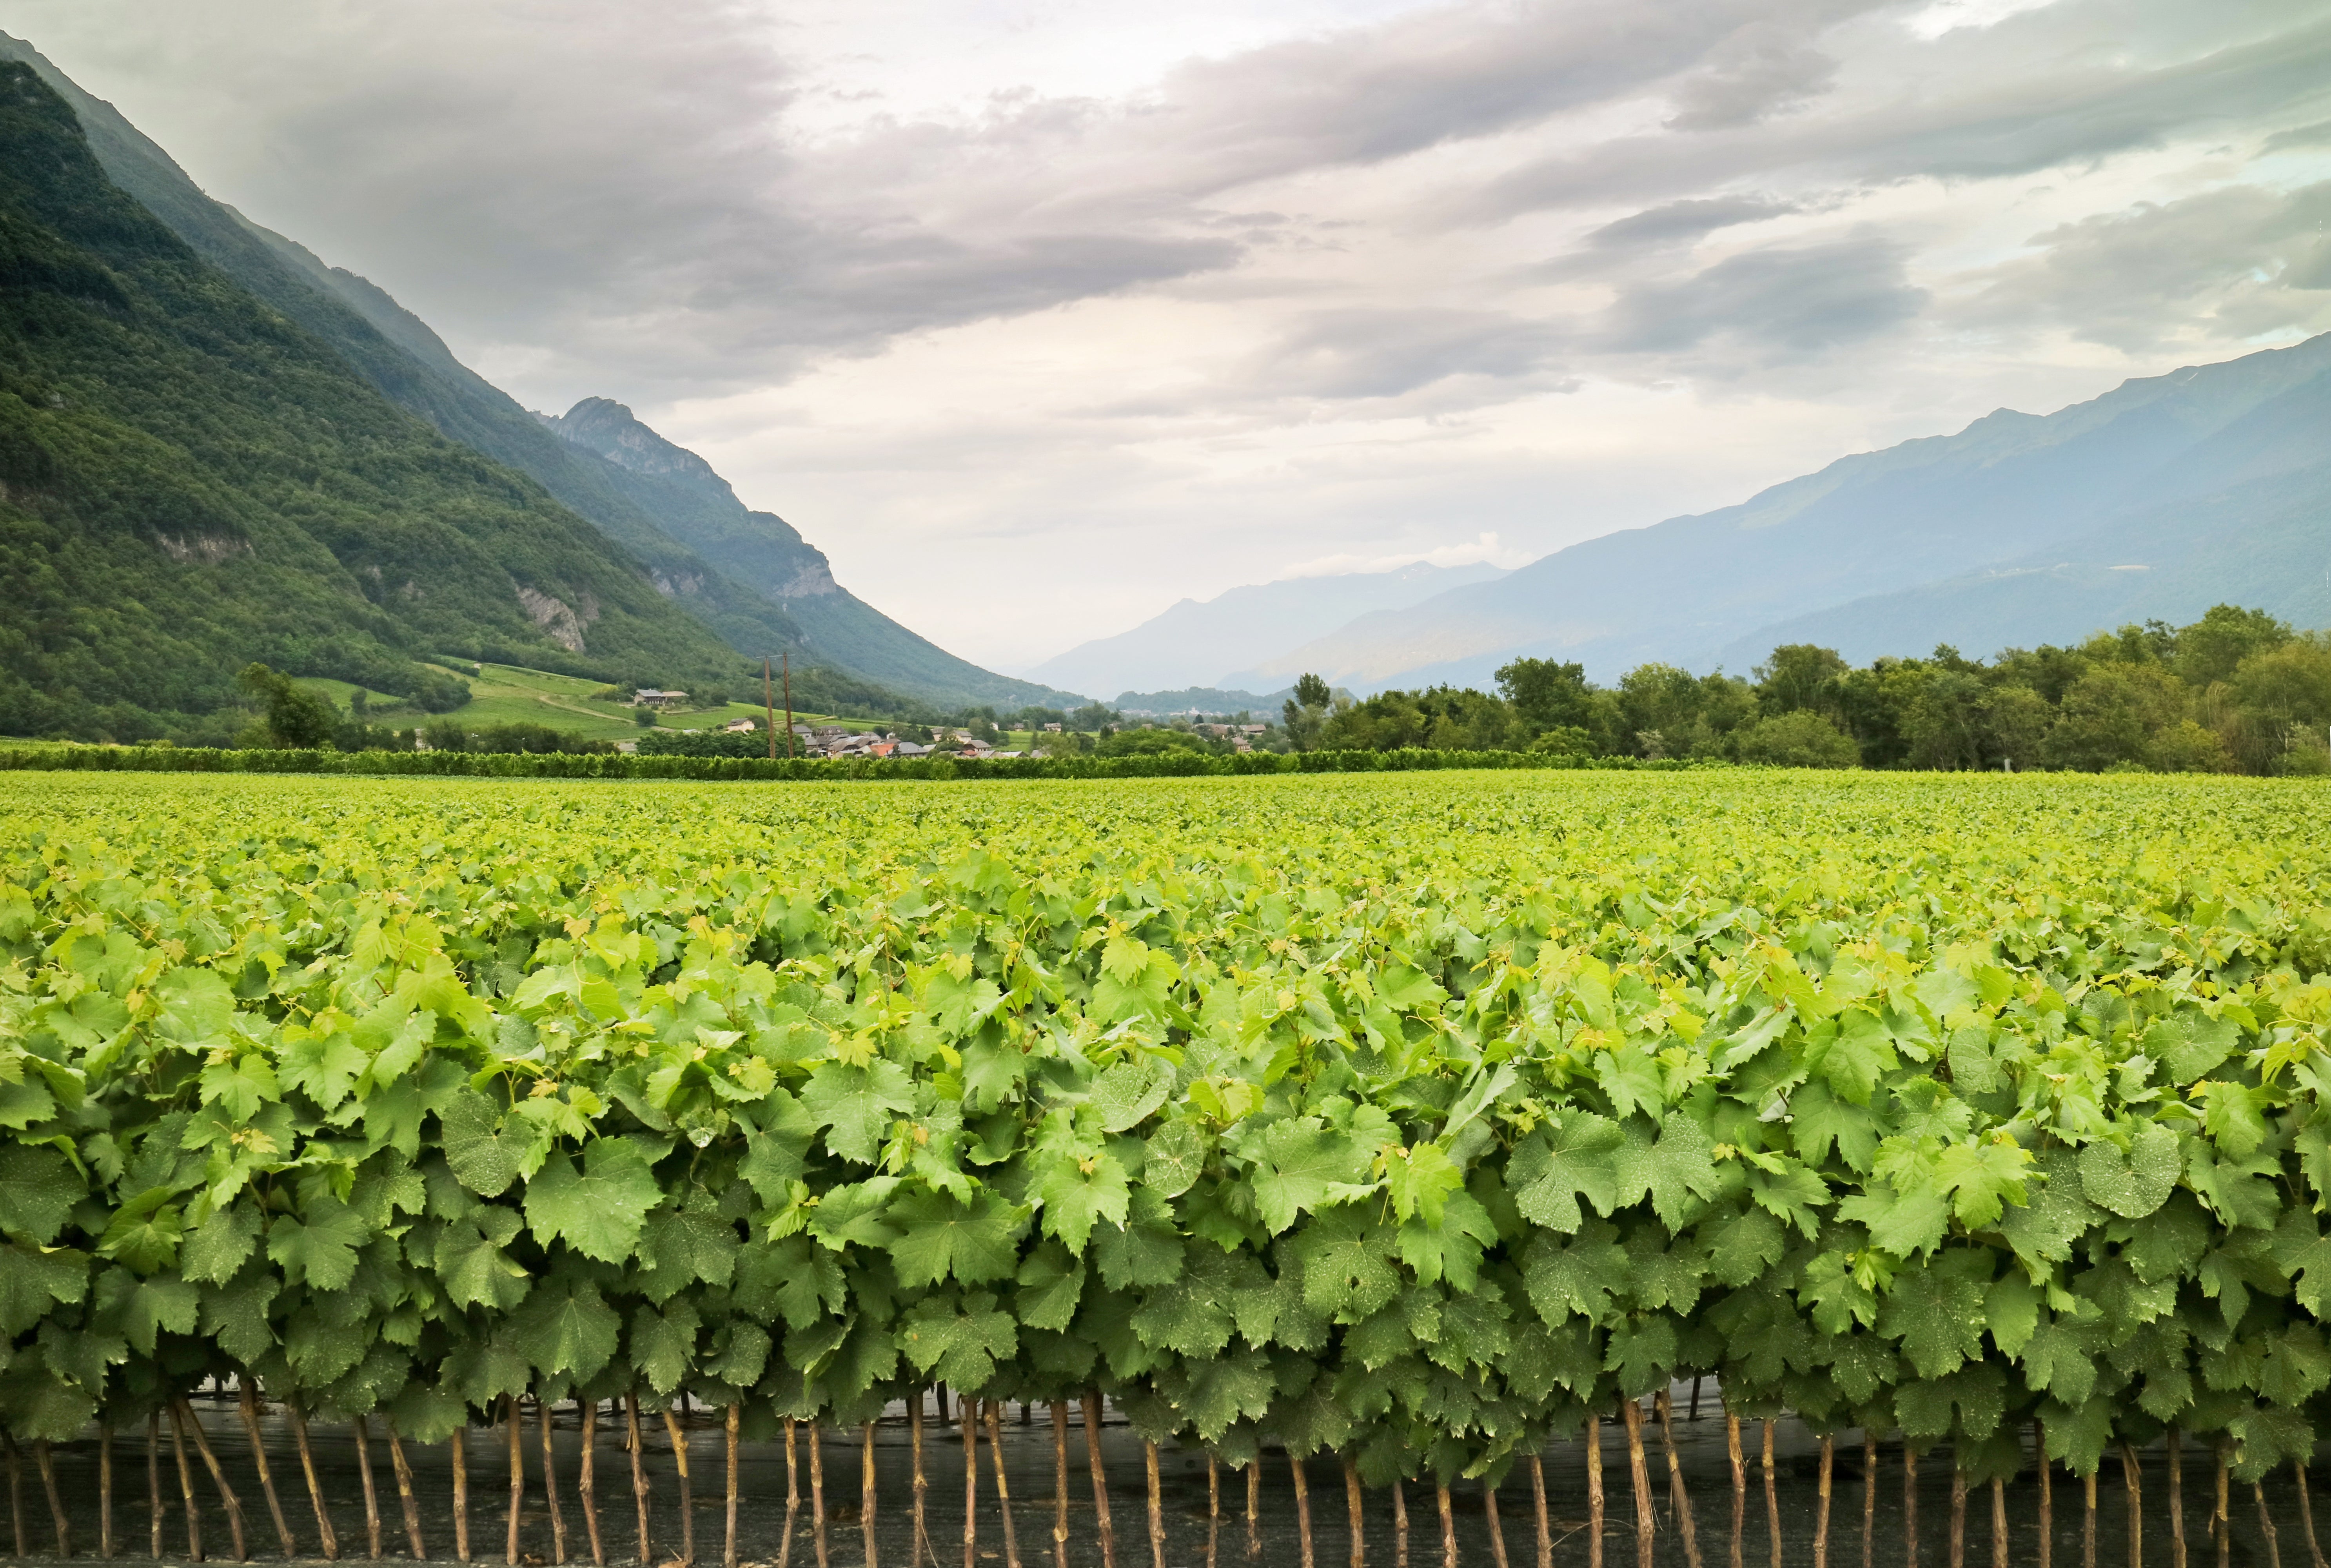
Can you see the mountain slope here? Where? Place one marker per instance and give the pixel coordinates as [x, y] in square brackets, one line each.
[2011, 491]
[696, 506]
[407, 363]
[1195, 641]
[189, 481]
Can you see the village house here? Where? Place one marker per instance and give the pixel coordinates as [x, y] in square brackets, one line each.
[649, 697]
[740, 727]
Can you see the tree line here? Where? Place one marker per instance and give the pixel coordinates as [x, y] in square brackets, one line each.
[2236, 691]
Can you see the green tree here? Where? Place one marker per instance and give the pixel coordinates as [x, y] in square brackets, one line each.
[1800, 675]
[1545, 695]
[295, 717]
[2110, 716]
[2212, 648]
[1305, 715]
[1799, 737]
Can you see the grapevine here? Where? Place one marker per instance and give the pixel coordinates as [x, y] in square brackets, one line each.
[1413, 1120]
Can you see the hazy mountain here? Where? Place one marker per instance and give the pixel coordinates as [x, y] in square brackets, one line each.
[1264, 705]
[1196, 642]
[663, 525]
[189, 481]
[2164, 496]
[765, 553]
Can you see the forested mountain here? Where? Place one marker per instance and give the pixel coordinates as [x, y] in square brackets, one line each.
[191, 481]
[661, 525]
[1210, 643]
[694, 505]
[2157, 500]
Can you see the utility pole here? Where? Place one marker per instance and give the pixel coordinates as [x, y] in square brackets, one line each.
[789, 706]
[768, 706]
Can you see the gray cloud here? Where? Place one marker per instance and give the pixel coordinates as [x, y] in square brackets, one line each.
[1694, 218]
[2245, 261]
[1775, 304]
[1383, 352]
[1759, 72]
[2004, 118]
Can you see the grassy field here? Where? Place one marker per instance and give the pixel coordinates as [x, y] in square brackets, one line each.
[511, 694]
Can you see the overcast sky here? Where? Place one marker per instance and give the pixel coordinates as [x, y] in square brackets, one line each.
[1037, 316]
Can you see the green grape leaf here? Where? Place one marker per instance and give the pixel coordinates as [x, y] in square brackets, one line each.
[1560, 1163]
[1642, 1351]
[1983, 1178]
[219, 1247]
[2056, 1214]
[1145, 1249]
[2268, 1438]
[483, 1371]
[141, 1309]
[471, 1265]
[239, 1086]
[1904, 1224]
[325, 1067]
[144, 1232]
[2059, 1359]
[1347, 1264]
[855, 1103]
[2297, 1366]
[1176, 1156]
[739, 1354]
[40, 1406]
[484, 1157]
[1127, 1091]
[688, 1245]
[1938, 1315]
[565, 1328]
[2011, 1313]
[1743, 1245]
[598, 1211]
[1073, 1193]
[1675, 1169]
[1295, 1162]
[320, 1249]
[941, 1239]
[958, 1344]
[1579, 1276]
[2190, 1044]
[1819, 1121]
[1224, 1389]
[794, 1279]
[663, 1344]
[236, 1314]
[2135, 1183]
[31, 1278]
[192, 1005]
[776, 1155]
[855, 1212]
[1051, 1282]
[38, 1188]
[1190, 1314]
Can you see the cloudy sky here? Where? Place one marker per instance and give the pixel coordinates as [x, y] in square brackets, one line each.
[1037, 316]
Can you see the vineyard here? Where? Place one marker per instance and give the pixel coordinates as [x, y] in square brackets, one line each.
[1424, 1126]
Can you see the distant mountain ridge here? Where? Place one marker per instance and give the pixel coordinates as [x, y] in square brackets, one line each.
[660, 523]
[1211, 642]
[2159, 497]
